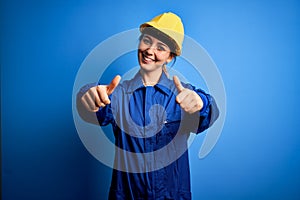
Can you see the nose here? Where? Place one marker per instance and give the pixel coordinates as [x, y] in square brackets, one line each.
[151, 49]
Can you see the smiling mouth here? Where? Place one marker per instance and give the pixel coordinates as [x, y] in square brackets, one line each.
[147, 59]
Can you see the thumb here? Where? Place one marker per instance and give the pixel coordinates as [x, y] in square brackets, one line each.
[113, 84]
[177, 83]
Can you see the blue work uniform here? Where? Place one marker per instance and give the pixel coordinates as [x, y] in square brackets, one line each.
[151, 132]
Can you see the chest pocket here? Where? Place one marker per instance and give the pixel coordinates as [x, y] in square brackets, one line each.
[169, 130]
[173, 121]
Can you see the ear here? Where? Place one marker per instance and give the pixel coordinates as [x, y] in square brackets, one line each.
[170, 58]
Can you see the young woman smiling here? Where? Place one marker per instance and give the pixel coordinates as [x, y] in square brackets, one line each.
[147, 113]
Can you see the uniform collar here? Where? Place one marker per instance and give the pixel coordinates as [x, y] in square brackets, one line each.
[164, 84]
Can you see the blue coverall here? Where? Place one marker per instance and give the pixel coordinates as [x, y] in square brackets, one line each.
[148, 122]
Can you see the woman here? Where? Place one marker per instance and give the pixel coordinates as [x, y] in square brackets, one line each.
[151, 113]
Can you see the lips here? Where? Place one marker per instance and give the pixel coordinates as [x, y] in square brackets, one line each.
[147, 59]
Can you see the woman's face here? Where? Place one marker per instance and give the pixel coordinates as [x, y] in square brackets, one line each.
[153, 53]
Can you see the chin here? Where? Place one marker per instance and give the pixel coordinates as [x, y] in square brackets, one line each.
[147, 67]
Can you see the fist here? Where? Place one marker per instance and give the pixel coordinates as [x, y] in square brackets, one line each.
[97, 96]
[188, 99]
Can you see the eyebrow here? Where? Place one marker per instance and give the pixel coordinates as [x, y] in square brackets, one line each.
[163, 44]
[148, 37]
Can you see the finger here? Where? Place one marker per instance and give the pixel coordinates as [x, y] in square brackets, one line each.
[192, 103]
[178, 83]
[182, 95]
[192, 110]
[191, 106]
[85, 103]
[89, 103]
[187, 103]
[113, 84]
[95, 97]
[103, 95]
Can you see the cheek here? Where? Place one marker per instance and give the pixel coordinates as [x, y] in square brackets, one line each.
[163, 58]
[139, 55]
[141, 47]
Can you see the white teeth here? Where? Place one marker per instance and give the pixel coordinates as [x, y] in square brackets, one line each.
[147, 58]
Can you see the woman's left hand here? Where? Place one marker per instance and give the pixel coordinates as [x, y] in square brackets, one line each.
[188, 99]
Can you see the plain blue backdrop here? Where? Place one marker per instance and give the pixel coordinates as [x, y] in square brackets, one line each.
[255, 45]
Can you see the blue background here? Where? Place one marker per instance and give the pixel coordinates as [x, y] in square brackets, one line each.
[255, 45]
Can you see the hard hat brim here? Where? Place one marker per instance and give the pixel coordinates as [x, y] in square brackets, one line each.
[151, 27]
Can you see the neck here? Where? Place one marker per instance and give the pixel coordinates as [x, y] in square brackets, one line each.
[150, 78]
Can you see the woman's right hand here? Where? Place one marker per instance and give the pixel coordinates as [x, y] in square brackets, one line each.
[97, 96]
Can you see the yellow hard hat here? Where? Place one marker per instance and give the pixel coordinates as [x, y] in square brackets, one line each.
[170, 25]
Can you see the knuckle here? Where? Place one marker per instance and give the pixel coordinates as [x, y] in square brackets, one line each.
[191, 111]
[82, 99]
[99, 88]
[102, 105]
[186, 109]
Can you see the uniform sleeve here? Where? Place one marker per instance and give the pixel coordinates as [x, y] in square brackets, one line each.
[104, 115]
[209, 112]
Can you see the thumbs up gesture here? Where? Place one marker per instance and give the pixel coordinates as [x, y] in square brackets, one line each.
[188, 99]
[97, 96]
